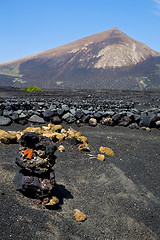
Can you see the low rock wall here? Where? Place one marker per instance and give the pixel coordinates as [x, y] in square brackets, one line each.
[91, 110]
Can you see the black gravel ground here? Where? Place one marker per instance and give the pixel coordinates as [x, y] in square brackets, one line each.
[120, 196]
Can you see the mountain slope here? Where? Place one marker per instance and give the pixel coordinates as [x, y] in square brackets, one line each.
[110, 59]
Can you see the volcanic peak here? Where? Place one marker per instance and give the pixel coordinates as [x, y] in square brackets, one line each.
[110, 59]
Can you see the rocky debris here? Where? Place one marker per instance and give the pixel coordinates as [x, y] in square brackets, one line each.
[158, 123]
[134, 126]
[107, 151]
[84, 147]
[101, 157]
[37, 137]
[60, 136]
[98, 108]
[93, 122]
[107, 121]
[146, 129]
[50, 202]
[125, 121]
[36, 158]
[61, 148]
[79, 216]
[7, 137]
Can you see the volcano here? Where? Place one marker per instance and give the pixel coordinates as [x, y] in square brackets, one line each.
[106, 60]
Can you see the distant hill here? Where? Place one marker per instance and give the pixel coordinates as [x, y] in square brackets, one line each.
[107, 60]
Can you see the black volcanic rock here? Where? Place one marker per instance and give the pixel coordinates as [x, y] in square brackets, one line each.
[5, 121]
[107, 60]
[107, 107]
[34, 186]
[38, 142]
[79, 114]
[56, 120]
[36, 158]
[47, 114]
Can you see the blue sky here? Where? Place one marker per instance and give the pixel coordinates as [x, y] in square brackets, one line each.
[31, 26]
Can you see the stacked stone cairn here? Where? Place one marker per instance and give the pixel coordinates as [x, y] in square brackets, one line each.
[36, 176]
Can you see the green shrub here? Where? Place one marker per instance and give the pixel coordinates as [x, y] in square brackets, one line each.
[153, 87]
[33, 88]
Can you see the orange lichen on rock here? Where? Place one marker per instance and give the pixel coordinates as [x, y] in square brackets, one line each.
[39, 201]
[79, 216]
[107, 151]
[28, 153]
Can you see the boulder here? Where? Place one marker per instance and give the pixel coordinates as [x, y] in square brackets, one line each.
[61, 148]
[85, 118]
[7, 138]
[38, 142]
[73, 111]
[33, 129]
[116, 117]
[61, 112]
[93, 122]
[7, 113]
[134, 126]
[65, 107]
[69, 118]
[108, 113]
[47, 114]
[107, 151]
[36, 119]
[107, 121]
[84, 147]
[15, 117]
[72, 140]
[145, 121]
[23, 121]
[5, 121]
[35, 186]
[52, 202]
[56, 120]
[79, 114]
[158, 123]
[22, 116]
[36, 154]
[97, 116]
[124, 121]
[101, 157]
[136, 117]
[79, 216]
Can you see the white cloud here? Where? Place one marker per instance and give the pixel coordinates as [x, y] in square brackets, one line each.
[157, 2]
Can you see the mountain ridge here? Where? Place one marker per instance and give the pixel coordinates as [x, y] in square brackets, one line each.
[84, 63]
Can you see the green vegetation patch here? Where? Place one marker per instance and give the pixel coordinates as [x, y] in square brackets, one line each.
[153, 87]
[33, 88]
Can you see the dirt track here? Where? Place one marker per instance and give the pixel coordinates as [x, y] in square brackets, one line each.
[120, 196]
